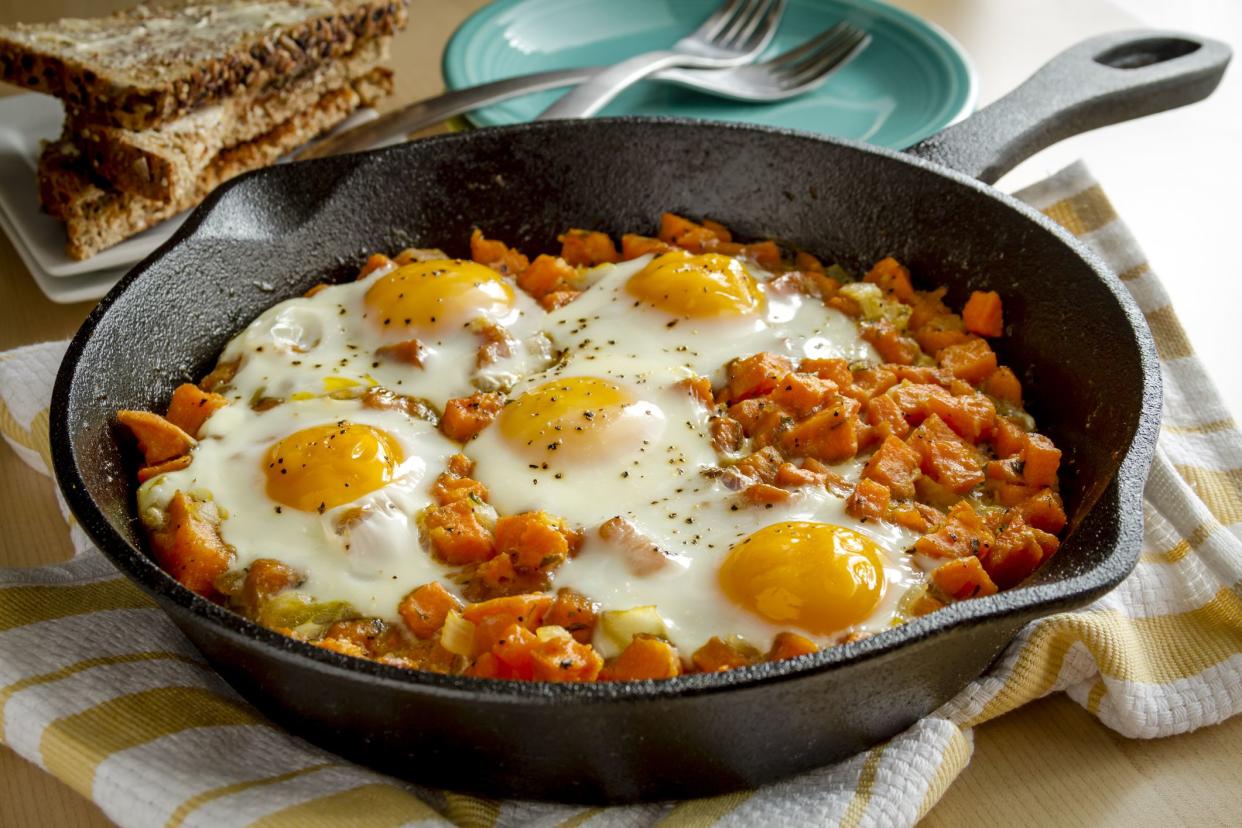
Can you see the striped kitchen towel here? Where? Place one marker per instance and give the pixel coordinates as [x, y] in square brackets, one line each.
[99, 688]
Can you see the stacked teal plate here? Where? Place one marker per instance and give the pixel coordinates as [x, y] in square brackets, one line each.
[912, 81]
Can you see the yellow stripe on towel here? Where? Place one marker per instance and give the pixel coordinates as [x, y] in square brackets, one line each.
[32, 604]
[862, 792]
[368, 806]
[1220, 490]
[699, 813]
[199, 800]
[1084, 212]
[73, 747]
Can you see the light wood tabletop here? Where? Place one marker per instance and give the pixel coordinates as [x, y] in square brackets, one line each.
[1049, 763]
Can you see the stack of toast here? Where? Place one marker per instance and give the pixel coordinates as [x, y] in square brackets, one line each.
[165, 101]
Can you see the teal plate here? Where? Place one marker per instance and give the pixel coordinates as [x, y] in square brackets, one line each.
[912, 81]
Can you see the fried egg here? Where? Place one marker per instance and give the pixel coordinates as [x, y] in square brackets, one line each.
[416, 329]
[714, 565]
[590, 433]
[699, 312]
[330, 487]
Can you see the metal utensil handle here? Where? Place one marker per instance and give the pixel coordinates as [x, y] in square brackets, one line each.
[1101, 81]
[597, 92]
[422, 114]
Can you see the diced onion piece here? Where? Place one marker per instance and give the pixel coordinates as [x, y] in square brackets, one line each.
[550, 632]
[875, 307]
[457, 635]
[618, 627]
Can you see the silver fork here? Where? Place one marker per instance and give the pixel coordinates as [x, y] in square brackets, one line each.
[734, 35]
[785, 76]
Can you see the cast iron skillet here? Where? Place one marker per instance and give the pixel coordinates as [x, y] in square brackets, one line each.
[1074, 335]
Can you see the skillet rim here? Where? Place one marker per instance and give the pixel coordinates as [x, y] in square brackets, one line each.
[1026, 602]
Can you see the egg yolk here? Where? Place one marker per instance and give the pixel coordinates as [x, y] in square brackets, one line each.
[324, 466]
[437, 295]
[577, 417]
[700, 287]
[817, 577]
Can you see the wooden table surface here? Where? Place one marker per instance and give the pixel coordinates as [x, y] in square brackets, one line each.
[1049, 763]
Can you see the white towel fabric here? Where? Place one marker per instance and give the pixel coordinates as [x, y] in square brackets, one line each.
[99, 688]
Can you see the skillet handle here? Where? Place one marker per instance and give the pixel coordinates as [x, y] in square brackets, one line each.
[1104, 80]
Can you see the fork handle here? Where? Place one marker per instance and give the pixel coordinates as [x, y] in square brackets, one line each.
[593, 95]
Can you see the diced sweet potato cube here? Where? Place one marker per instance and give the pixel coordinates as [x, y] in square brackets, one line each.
[982, 314]
[914, 399]
[830, 435]
[791, 477]
[972, 415]
[716, 656]
[449, 487]
[190, 407]
[515, 649]
[719, 230]
[893, 278]
[1044, 511]
[158, 439]
[756, 375]
[946, 458]
[646, 657]
[765, 253]
[890, 344]
[266, 577]
[673, 227]
[1018, 551]
[374, 262]
[835, 370]
[176, 464]
[1040, 461]
[760, 466]
[972, 360]
[498, 577]
[869, 500]
[765, 493]
[926, 306]
[633, 246]
[574, 613]
[896, 466]
[939, 332]
[534, 540]
[963, 578]
[189, 547]
[886, 418]
[807, 263]
[426, 607]
[558, 299]
[564, 659]
[803, 394]
[790, 645]
[917, 517]
[547, 274]
[1009, 438]
[587, 248]
[496, 255]
[407, 352]
[727, 433]
[962, 533]
[528, 609]
[455, 535]
[1004, 385]
[464, 417]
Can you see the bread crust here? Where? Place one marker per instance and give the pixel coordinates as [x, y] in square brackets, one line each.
[97, 216]
[163, 164]
[144, 67]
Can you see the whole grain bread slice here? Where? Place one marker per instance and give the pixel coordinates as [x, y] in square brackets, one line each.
[165, 164]
[97, 216]
[152, 64]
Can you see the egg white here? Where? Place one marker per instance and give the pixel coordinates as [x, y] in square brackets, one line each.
[607, 319]
[374, 563]
[328, 342]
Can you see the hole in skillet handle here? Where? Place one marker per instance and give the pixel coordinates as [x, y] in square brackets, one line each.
[1146, 52]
